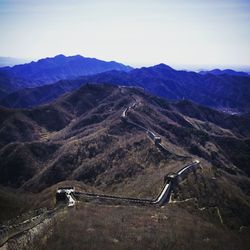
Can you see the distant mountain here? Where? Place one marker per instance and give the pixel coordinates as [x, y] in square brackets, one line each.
[11, 61]
[49, 70]
[218, 72]
[9, 84]
[29, 97]
[224, 92]
[220, 92]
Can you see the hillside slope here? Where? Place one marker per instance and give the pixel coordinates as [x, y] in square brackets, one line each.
[80, 136]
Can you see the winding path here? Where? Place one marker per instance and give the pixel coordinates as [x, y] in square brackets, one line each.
[161, 199]
[171, 179]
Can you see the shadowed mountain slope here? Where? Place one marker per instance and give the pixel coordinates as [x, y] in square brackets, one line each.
[29, 97]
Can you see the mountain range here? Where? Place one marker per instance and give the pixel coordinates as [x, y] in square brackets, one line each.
[230, 93]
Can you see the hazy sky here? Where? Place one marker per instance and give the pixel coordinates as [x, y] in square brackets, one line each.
[136, 32]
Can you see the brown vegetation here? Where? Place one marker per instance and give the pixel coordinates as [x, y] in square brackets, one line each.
[171, 227]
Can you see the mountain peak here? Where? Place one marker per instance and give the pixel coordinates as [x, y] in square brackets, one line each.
[59, 67]
[60, 56]
[162, 66]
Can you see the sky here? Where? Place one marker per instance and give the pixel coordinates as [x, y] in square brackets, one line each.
[181, 33]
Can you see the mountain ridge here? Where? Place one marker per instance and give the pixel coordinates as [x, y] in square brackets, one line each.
[224, 72]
